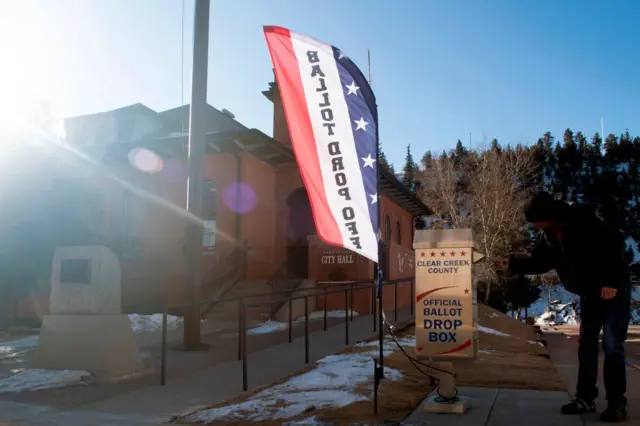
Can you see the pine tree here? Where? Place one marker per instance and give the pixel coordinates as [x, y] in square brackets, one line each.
[383, 160]
[427, 160]
[410, 171]
[495, 146]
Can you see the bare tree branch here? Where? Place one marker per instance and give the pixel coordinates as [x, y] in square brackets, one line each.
[485, 191]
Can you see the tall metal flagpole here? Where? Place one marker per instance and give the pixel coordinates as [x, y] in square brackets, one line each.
[197, 144]
[377, 269]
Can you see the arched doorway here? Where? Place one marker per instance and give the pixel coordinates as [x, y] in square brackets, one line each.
[300, 226]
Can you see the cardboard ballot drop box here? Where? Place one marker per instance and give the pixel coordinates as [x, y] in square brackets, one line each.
[446, 294]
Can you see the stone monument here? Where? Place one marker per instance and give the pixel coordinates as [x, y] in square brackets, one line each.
[86, 329]
[446, 307]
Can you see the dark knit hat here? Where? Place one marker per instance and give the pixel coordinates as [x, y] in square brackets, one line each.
[543, 208]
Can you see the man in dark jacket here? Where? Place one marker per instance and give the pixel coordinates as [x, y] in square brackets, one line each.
[589, 258]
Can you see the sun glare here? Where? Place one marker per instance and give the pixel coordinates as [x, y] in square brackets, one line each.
[24, 109]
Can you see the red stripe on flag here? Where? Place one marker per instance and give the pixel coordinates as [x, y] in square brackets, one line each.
[303, 141]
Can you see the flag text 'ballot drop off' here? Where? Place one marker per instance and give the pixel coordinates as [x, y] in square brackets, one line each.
[446, 307]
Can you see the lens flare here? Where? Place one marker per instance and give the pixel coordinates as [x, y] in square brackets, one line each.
[145, 160]
[240, 197]
[174, 171]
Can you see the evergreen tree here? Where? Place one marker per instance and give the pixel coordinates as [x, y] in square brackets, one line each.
[460, 153]
[427, 160]
[410, 171]
[495, 146]
[383, 160]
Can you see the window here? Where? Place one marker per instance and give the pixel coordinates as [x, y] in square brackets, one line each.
[209, 200]
[209, 213]
[398, 232]
[387, 229]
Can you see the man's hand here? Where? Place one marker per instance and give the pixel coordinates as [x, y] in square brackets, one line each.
[608, 293]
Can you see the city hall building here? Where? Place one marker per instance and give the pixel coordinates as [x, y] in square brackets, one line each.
[258, 225]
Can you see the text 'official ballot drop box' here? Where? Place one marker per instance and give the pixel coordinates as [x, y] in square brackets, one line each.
[446, 293]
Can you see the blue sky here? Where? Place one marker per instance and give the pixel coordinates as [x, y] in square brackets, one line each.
[441, 69]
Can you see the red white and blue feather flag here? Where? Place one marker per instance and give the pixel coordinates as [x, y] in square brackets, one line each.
[333, 123]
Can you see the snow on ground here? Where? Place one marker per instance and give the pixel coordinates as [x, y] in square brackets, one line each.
[331, 314]
[488, 330]
[268, 327]
[139, 324]
[633, 245]
[388, 345]
[34, 379]
[273, 326]
[550, 294]
[562, 310]
[558, 314]
[14, 348]
[153, 322]
[331, 384]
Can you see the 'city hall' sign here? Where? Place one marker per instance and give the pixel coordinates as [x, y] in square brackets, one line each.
[337, 258]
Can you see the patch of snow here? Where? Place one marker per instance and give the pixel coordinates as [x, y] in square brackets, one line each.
[37, 379]
[487, 330]
[403, 341]
[555, 306]
[149, 323]
[388, 345]
[14, 347]
[563, 307]
[553, 294]
[635, 308]
[330, 314]
[558, 314]
[331, 384]
[338, 371]
[268, 327]
[633, 245]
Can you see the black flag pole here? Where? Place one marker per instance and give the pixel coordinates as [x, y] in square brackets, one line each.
[378, 373]
[377, 269]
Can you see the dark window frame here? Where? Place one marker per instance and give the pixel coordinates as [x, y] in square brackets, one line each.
[387, 229]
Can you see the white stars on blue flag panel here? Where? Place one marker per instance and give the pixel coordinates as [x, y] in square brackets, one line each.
[364, 115]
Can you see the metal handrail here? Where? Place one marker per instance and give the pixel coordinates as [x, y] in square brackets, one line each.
[242, 320]
[271, 282]
[255, 296]
[240, 254]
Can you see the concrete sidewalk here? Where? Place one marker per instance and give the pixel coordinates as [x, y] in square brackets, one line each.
[223, 381]
[502, 407]
[564, 353]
